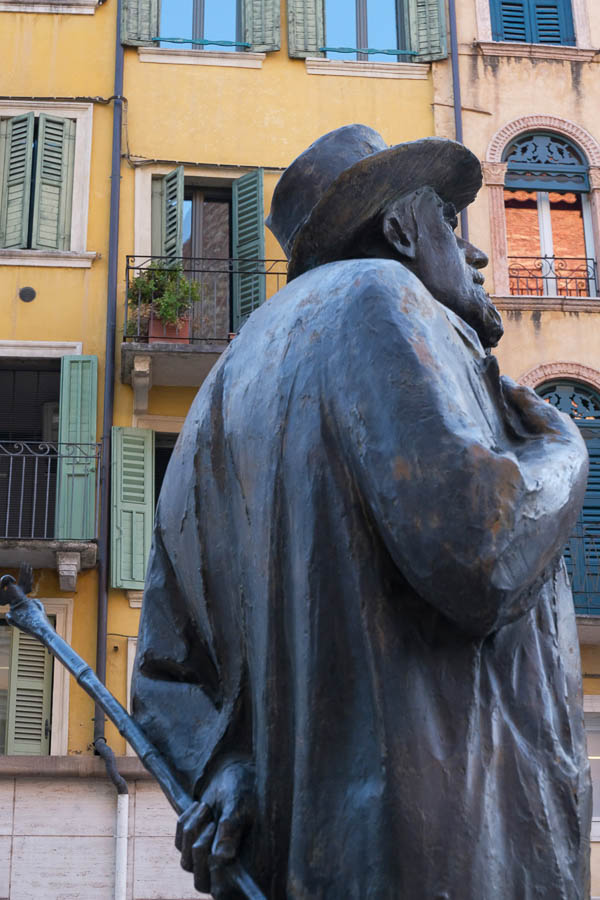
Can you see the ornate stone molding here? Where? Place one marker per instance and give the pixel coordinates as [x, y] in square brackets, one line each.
[571, 370]
[494, 173]
[536, 51]
[588, 144]
[141, 382]
[68, 566]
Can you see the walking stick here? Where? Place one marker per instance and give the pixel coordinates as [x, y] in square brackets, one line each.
[29, 615]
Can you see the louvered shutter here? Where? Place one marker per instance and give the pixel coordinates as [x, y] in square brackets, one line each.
[306, 27]
[248, 246]
[30, 696]
[53, 184]
[511, 20]
[261, 27]
[427, 20]
[172, 214]
[140, 21]
[76, 480]
[582, 553]
[16, 155]
[132, 505]
[552, 22]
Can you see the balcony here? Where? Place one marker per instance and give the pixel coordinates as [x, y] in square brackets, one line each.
[549, 276]
[49, 502]
[180, 314]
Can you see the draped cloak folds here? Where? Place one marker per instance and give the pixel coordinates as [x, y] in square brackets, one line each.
[355, 582]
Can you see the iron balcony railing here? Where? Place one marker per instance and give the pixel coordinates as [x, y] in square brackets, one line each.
[195, 300]
[552, 276]
[49, 491]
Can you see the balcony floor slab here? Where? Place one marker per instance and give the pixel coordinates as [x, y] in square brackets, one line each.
[173, 365]
[43, 554]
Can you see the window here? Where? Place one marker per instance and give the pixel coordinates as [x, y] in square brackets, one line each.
[533, 21]
[164, 442]
[582, 554]
[548, 218]
[48, 450]
[37, 155]
[415, 27]
[202, 24]
[592, 729]
[374, 24]
[26, 669]
[210, 23]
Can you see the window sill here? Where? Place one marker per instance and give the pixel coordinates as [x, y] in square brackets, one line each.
[536, 51]
[201, 57]
[316, 65]
[64, 259]
[546, 304]
[74, 7]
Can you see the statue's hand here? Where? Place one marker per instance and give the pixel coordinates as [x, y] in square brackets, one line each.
[210, 832]
[535, 415]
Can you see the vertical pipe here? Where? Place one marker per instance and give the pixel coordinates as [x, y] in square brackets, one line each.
[109, 372]
[121, 847]
[458, 125]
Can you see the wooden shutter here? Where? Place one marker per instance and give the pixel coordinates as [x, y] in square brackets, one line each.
[76, 480]
[510, 20]
[552, 22]
[427, 20]
[132, 505]
[16, 155]
[140, 21]
[172, 214]
[30, 696]
[248, 246]
[53, 184]
[306, 27]
[582, 553]
[261, 24]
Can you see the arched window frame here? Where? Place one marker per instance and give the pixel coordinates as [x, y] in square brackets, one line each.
[494, 172]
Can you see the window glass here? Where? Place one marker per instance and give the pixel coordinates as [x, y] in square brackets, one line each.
[4, 670]
[340, 26]
[176, 21]
[187, 228]
[220, 22]
[381, 28]
[522, 223]
[566, 216]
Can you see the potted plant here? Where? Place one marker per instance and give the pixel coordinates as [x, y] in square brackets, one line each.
[160, 298]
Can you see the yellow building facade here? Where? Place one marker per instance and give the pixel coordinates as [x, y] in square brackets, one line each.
[206, 131]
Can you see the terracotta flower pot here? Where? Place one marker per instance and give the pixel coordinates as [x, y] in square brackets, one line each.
[163, 333]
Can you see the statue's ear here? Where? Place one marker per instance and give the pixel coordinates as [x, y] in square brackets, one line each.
[400, 228]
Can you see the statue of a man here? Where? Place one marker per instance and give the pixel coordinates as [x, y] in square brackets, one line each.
[358, 642]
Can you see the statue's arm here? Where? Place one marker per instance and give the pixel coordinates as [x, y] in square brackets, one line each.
[472, 517]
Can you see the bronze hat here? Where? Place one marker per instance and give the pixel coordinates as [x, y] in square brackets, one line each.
[347, 176]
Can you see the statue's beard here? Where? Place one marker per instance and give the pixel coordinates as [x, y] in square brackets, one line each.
[479, 312]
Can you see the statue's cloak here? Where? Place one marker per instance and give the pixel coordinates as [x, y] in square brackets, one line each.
[354, 582]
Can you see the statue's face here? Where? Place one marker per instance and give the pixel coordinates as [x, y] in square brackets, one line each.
[421, 227]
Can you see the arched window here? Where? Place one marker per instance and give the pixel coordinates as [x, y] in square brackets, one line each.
[582, 553]
[548, 217]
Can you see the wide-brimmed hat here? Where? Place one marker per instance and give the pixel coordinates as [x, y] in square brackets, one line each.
[347, 177]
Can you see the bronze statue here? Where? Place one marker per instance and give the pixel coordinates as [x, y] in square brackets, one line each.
[358, 643]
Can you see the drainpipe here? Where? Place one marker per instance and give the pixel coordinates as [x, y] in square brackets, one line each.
[458, 126]
[100, 745]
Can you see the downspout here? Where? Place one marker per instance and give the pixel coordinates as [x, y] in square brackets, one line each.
[100, 745]
[458, 125]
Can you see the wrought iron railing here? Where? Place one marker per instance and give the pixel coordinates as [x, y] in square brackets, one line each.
[552, 276]
[193, 300]
[49, 491]
[582, 556]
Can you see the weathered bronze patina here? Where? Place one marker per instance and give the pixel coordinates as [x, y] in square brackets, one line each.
[358, 643]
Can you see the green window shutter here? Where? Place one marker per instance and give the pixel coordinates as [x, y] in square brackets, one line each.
[261, 24]
[306, 27]
[248, 246]
[139, 21]
[172, 214]
[76, 476]
[30, 696]
[132, 505]
[53, 184]
[16, 155]
[428, 29]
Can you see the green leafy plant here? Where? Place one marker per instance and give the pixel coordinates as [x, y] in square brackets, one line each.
[161, 290]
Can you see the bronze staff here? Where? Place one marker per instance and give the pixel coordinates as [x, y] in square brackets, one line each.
[29, 615]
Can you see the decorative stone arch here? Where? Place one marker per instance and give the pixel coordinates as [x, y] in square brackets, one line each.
[570, 371]
[494, 171]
